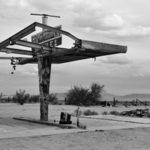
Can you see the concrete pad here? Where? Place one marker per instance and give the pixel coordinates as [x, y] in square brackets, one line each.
[120, 118]
[95, 123]
[49, 122]
[10, 128]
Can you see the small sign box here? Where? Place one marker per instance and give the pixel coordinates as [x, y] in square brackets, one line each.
[48, 38]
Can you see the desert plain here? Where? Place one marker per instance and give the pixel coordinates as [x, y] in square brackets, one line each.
[103, 132]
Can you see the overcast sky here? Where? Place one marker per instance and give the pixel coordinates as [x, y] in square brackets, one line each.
[123, 22]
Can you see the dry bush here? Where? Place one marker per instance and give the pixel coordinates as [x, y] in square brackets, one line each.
[88, 112]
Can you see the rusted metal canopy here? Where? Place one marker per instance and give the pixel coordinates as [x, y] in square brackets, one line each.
[82, 49]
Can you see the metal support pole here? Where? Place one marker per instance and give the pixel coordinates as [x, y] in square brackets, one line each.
[44, 19]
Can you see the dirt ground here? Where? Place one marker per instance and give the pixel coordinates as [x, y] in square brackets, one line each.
[128, 139]
[120, 139]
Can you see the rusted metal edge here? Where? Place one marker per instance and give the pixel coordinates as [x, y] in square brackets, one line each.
[32, 45]
[26, 31]
[31, 28]
[16, 51]
[57, 30]
[102, 47]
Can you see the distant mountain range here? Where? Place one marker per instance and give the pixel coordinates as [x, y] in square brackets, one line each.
[130, 97]
[110, 97]
[61, 96]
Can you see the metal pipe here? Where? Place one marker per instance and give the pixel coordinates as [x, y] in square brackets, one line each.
[32, 45]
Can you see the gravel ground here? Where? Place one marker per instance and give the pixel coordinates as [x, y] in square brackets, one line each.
[124, 139]
[128, 139]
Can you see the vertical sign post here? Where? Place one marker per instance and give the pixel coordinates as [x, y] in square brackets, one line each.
[44, 70]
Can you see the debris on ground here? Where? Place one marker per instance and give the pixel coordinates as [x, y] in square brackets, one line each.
[133, 113]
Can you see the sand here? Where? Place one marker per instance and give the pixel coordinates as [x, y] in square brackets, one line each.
[118, 139]
[129, 139]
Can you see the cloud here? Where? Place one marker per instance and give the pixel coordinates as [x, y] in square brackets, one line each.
[129, 32]
[111, 24]
[32, 70]
[15, 3]
[95, 17]
[49, 5]
[142, 68]
[122, 67]
[28, 71]
[118, 60]
[90, 16]
[103, 23]
[13, 11]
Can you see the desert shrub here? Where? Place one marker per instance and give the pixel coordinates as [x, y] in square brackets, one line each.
[124, 113]
[114, 112]
[78, 96]
[1, 95]
[88, 112]
[148, 115]
[21, 97]
[34, 99]
[105, 113]
[95, 92]
[84, 96]
[53, 99]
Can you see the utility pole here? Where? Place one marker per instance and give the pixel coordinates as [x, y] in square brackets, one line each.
[44, 72]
